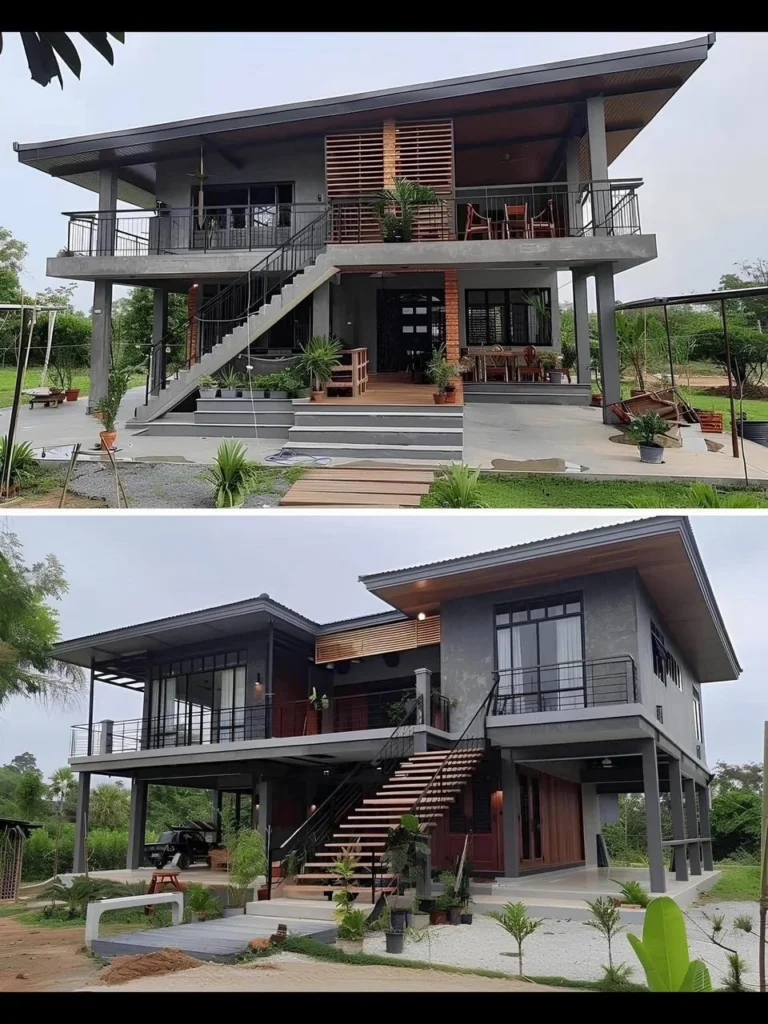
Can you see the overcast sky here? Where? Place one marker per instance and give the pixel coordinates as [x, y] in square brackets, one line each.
[124, 570]
[701, 157]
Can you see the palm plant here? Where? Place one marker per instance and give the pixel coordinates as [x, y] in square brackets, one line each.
[632, 338]
[248, 862]
[406, 849]
[201, 901]
[606, 919]
[458, 487]
[231, 474]
[19, 468]
[61, 788]
[397, 206]
[319, 358]
[83, 891]
[440, 371]
[515, 920]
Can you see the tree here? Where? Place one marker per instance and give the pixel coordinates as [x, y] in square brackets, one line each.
[132, 325]
[62, 789]
[747, 311]
[735, 821]
[13, 252]
[738, 776]
[29, 628]
[25, 762]
[110, 806]
[176, 805]
[29, 795]
[43, 48]
[749, 351]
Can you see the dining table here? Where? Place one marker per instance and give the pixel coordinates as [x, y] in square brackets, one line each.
[481, 356]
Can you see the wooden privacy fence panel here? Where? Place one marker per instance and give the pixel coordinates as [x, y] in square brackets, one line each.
[354, 167]
[424, 153]
[11, 854]
[361, 643]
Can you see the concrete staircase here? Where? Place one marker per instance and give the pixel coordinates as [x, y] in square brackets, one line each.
[298, 288]
[228, 417]
[529, 394]
[378, 432]
[362, 835]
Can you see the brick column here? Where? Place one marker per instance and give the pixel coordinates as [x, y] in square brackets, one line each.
[452, 343]
[193, 329]
[389, 153]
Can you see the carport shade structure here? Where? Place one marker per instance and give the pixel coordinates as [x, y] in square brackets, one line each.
[698, 300]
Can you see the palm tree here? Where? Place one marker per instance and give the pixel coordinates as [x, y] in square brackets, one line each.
[110, 805]
[42, 49]
[61, 788]
[397, 206]
[632, 337]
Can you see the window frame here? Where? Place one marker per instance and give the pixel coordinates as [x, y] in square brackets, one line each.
[659, 659]
[698, 724]
[507, 318]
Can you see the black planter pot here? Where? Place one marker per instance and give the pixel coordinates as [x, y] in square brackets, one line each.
[395, 941]
[398, 920]
[454, 915]
[753, 430]
[466, 919]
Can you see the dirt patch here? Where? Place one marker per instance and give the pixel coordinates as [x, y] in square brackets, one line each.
[51, 499]
[145, 965]
[43, 959]
[751, 391]
[537, 466]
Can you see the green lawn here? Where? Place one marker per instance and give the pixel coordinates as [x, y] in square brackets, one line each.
[737, 882]
[754, 408]
[566, 492]
[32, 380]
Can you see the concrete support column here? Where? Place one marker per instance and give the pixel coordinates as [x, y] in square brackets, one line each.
[572, 173]
[706, 828]
[263, 794]
[581, 327]
[653, 816]
[107, 222]
[106, 728]
[159, 331]
[510, 786]
[598, 163]
[678, 821]
[101, 342]
[609, 346]
[424, 692]
[137, 823]
[81, 821]
[692, 825]
[590, 814]
[321, 310]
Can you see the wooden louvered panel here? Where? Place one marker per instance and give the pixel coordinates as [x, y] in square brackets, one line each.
[361, 643]
[354, 163]
[425, 153]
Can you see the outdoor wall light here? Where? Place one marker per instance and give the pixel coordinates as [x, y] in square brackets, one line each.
[421, 616]
[258, 687]
[312, 808]
[326, 772]
[607, 762]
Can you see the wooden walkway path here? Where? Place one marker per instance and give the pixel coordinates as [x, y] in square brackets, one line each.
[360, 486]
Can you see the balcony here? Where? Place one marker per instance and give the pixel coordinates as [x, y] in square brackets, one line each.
[194, 725]
[491, 213]
[566, 686]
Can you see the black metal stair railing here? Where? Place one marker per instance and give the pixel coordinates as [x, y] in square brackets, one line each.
[355, 786]
[223, 313]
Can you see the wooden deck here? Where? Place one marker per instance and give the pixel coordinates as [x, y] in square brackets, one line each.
[391, 393]
[360, 486]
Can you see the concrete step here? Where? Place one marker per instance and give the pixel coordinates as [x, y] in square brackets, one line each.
[436, 454]
[244, 404]
[528, 394]
[378, 435]
[280, 908]
[337, 416]
[166, 427]
[246, 416]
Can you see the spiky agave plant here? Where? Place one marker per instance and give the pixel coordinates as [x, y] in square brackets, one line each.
[17, 466]
[458, 487]
[231, 474]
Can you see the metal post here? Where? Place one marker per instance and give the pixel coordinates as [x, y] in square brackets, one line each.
[373, 878]
[90, 708]
[763, 863]
[669, 345]
[6, 485]
[269, 862]
[734, 433]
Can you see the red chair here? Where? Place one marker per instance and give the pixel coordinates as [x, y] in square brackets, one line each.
[543, 224]
[516, 222]
[532, 369]
[496, 367]
[476, 224]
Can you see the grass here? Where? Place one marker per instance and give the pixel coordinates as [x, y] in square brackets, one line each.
[112, 921]
[524, 491]
[330, 954]
[754, 408]
[80, 380]
[737, 882]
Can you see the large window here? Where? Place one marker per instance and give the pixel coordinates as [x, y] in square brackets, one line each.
[502, 316]
[665, 664]
[539, 655]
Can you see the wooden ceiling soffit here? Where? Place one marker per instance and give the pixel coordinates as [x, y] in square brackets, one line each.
[362, 643]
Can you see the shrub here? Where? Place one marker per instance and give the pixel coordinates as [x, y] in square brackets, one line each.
[107, 848]
[458, 487]
[38, 856]
[633, 892]
[644, 428]
[231, 474]
[22, 462]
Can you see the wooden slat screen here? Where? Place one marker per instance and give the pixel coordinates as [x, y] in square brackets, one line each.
[424, 153]
[361, 643]
[354, 166]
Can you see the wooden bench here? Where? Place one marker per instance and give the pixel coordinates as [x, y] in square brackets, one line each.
[54, 400]
[99, 907]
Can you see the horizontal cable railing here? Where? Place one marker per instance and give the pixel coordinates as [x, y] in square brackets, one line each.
[166, 230]
[566, 686]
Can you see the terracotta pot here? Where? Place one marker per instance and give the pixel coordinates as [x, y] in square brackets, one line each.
[108, 438]
[72, 394]
[597, 400]
[317, 396]
[439, 399]
[438, 917]
[262, 893]
[450, 397]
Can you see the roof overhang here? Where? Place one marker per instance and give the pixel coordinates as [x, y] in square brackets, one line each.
[696, 299]
[541, 106]
[662, 551]
[179, 631]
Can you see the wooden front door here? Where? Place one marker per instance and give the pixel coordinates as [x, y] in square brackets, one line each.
[550, 832]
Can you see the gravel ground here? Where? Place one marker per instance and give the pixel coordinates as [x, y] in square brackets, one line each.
[569, 949]
[159, 485]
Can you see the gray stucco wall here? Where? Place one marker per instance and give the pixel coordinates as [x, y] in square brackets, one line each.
[484, 278]
[302, 162]
[467, 646]
[677, 704]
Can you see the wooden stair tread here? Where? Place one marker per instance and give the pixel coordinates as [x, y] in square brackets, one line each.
[384, 476]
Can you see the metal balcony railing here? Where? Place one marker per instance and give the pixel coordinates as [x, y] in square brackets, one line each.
[566, 686]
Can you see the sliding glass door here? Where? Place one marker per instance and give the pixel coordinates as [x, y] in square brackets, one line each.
[229, 686]
[539, 656]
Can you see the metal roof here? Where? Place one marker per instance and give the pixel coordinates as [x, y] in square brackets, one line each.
[636, 84]
[695, 299]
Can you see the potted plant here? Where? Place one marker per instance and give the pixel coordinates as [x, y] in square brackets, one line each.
[295, 382]
[643, 430]
[320, 357]
[549, 363]
[317, 704]
[396, 208]
[201, 902]
[567, 356]
[63, 373]
[442, 373]
[405, 852]
[451, 898]
[209, 386]
[439, 912]
[350, 930]
[395, 940]
[231, 383]
[247, 862]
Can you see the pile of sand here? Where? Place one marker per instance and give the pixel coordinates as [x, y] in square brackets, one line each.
[126, 968]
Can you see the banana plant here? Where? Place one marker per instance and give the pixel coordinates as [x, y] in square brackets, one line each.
[663, 951]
